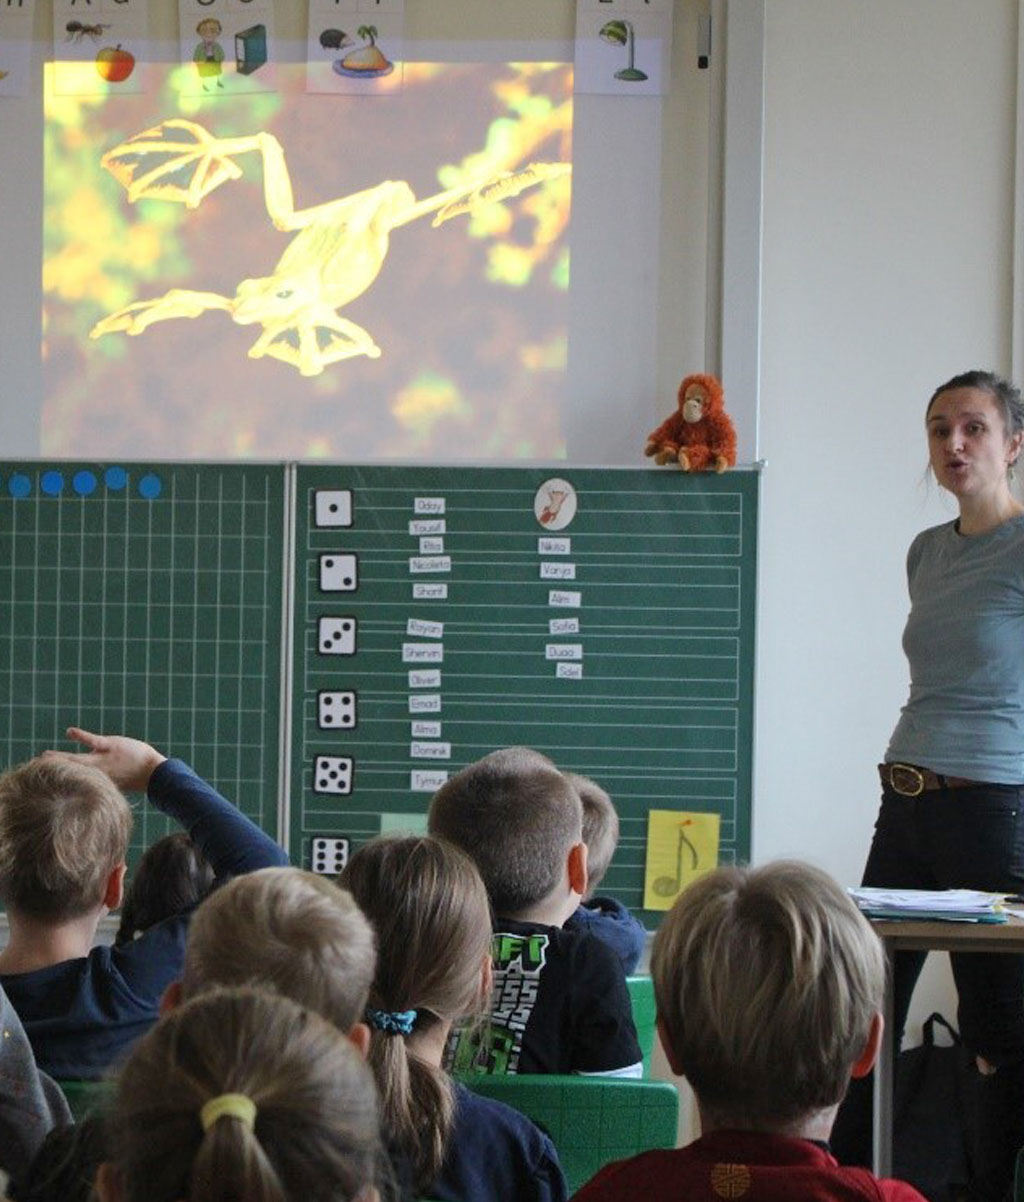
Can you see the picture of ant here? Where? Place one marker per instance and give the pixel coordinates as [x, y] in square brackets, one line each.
[76, 31]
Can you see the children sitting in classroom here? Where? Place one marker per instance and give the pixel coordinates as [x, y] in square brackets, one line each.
[279, 929]
[172, 877]
[243, 1094]
[429, 908]
[604, 917]
[64, 828]
[560, 1002]
[769, 989]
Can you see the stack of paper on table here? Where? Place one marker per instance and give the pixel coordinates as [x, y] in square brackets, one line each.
[949, 905]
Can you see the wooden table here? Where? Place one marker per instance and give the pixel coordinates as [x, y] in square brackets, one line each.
[908, 936]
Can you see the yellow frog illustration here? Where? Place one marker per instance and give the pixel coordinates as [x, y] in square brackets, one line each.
[336, 254]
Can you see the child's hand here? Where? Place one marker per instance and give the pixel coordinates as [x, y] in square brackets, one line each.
[128, 762]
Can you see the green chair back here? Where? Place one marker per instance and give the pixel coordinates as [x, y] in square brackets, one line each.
[641, 995]
[84, 1096]
[591, 1120]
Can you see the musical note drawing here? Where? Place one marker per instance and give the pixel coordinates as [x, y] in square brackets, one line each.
[666, 886]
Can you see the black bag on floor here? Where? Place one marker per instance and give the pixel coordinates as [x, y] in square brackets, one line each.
[931, 1104]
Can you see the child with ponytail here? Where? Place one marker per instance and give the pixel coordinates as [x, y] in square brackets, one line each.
[429, 908]
[242, 1094]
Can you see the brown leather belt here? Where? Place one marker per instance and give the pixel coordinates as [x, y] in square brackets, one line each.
[910, 781]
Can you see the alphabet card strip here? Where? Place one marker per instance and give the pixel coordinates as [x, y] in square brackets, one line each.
[98, 47]
[15, 46]
[623, 47]
[355, 47]
[228, 45]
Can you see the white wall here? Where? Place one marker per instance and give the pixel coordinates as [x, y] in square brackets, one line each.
[888, 190]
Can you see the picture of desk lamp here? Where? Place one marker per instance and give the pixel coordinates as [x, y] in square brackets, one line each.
[620, 33]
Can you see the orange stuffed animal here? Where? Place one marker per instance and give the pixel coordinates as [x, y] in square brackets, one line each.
[700, 435]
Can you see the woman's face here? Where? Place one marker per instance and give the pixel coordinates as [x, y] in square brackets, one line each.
[967, 443]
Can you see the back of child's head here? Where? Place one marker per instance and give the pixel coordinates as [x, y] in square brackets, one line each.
[767, 981]
[289, 930]
[518, 817]
[600, 828]
[429, 908]
[64, 827]
[244, 1094]
[171, 877]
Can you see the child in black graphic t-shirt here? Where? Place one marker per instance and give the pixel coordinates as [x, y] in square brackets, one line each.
[560, 1003]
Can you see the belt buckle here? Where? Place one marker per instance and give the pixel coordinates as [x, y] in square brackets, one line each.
[906, 772]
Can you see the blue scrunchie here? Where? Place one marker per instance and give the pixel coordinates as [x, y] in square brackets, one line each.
[391, 1022]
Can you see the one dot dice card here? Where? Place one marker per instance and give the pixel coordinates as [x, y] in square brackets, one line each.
[333, 507]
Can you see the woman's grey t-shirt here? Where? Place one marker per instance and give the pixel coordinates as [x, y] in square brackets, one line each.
[964, 639]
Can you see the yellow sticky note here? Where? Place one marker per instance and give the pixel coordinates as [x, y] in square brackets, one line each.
[681, 846]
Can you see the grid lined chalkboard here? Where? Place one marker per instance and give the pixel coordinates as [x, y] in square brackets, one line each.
[146, 599]
[429, 615]
[440, 613]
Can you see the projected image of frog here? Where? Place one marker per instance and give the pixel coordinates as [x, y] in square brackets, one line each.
[335, 256]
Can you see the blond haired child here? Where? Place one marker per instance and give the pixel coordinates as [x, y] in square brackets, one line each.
[64, 827]
[603, 916]
[289, 930]
[769, 986]
[429, 908]
[242, 1094]
[560, 1003]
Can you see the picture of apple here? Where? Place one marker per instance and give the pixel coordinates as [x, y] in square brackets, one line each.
[115, 64]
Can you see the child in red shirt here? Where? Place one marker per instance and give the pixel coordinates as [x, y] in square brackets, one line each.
[769, 987]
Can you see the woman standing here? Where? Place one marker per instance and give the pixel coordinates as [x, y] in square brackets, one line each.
[953, 776]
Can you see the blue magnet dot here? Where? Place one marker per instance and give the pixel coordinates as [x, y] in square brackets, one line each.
[115, 477]
[52, 483]
[149, 487]
[84, 483]
[19, 485]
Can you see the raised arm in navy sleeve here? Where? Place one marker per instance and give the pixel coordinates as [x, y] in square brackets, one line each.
[231, 842]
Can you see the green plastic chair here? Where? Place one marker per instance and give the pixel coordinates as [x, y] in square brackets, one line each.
[84, 1096]
[591, 1120]
[641, 995]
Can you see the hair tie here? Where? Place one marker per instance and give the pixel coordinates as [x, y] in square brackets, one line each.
[232, 1105]
[391, 1022]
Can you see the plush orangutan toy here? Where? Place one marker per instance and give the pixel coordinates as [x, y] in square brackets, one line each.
[700, 436]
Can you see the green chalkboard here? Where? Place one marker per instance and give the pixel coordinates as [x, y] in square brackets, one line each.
[146, 599]
[429, 615]
[440, 613]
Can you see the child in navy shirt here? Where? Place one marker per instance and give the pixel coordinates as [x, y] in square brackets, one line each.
[604, 917]
[64, 828]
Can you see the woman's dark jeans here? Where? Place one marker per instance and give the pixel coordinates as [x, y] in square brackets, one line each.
[965, 838]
